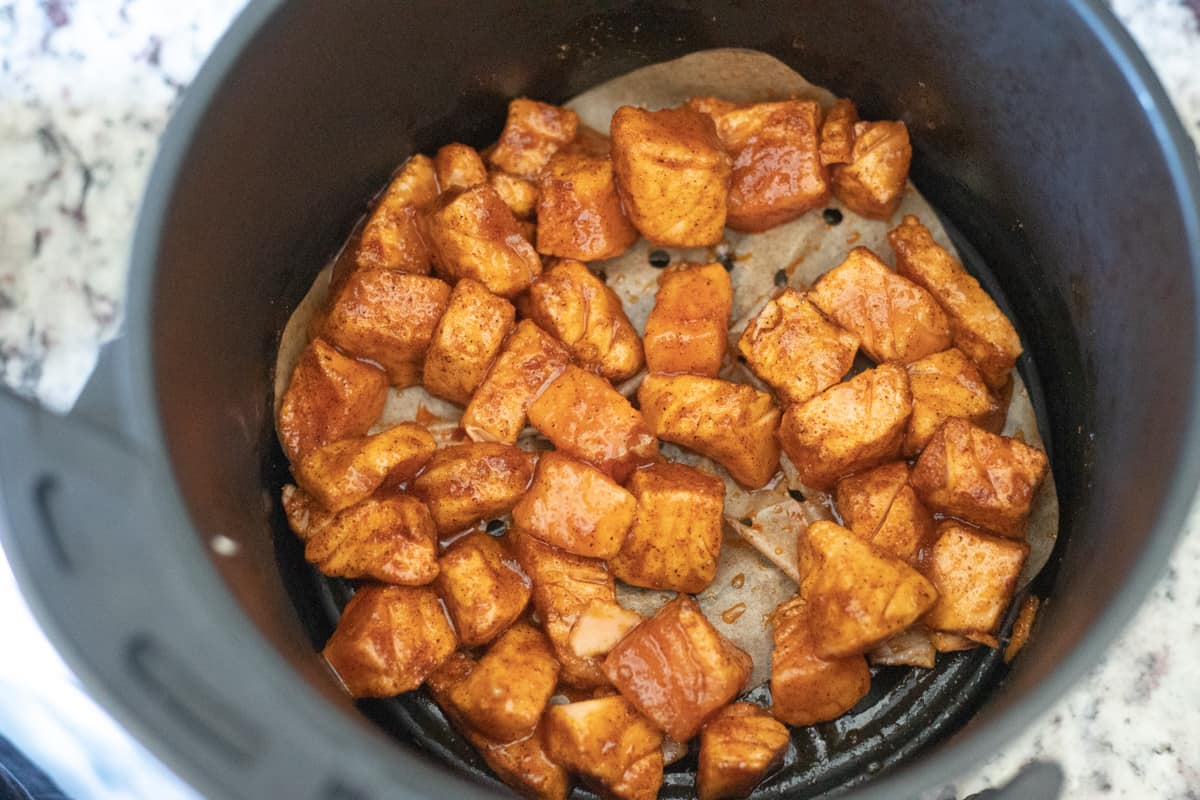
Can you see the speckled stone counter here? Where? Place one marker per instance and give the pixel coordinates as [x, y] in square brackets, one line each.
[85, 91]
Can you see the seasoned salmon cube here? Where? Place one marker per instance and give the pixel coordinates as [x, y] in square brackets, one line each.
[341, 474]
[675, 540]
[975, 575]
[390, 538]
[524, 764]
[388, 317]
[978, 326]
[599, 627]
[575, 507]
[579, 213]
[564, 586]
[471, 482]
[981, 477]
[777, 171]
[677, 670]
[504, 697]
[578, 309]
[945, 385]
[882, 508]
[907, 530]
[672, 173]
[585, 417]
[388, 639]
[459, 167]
[532, 134]
[857, 595]
[837, 133]
[731, 423]
[793, 348]
[807, 689]
[329, 397]
[466, 341]
[392, 237]
[519, 194]
[529, 361]
[848, 427]
[608, 744]
[483, 588]
[450, 673]
[863, 499]
[894, 318]
[872, 184]
[688, 328]
[739, 747]
[475, 235]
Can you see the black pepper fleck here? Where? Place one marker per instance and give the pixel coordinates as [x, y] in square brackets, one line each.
[831, 216]
[659, 258]
[796, 495]
[741, 359]
[746, 521]
[781, 278]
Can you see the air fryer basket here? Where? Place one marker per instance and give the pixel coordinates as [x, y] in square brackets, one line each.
[146, 529]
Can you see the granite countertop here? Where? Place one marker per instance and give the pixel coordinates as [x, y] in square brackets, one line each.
[85, 91]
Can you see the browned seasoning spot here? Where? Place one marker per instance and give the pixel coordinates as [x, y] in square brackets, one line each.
[425, 416]
[738, 581]
[853, 238]
[738, 543]
[778, 551]
[731, 614]
[1022, 627]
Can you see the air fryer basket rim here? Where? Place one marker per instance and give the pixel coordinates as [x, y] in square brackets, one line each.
[974, 745]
